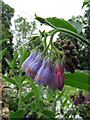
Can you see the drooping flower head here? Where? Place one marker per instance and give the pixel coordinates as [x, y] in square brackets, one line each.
[59, 75]
[34, 66]
[28, 61]
[43, 75]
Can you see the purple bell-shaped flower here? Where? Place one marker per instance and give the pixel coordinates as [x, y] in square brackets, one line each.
[43, 75]
[28, 61]
[34, 66]
[52, 83]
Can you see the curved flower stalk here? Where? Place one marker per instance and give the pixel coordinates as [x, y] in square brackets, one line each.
[59, 75]
[34, 66]
[28, 61]
[43, 75]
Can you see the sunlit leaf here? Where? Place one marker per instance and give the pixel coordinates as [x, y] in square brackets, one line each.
[4, 40]
[78, 80]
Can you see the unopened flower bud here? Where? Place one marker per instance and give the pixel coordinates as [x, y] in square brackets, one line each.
[75, 60]
[74, 52]
[60, 48]
[71, 46]
[67, 52]
[68, 41]
[65, 46]
[62, 42]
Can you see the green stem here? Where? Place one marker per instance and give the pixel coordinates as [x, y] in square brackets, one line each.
[20, 98]
[73, 34]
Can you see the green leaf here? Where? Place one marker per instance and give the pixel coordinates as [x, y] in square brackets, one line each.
[33, 106]
[78, 80]
[56, 23]
[24, 56]
[9, 80]
[64, 103]
[61, 23]
[2, 41]
[14, 60]
[35, 91]
[85, 2]
[59, 96]
[40, 105]
[8, 62]
[2, 53]
[30, 94]
[18, 114]
[77, 24]
[49, 114]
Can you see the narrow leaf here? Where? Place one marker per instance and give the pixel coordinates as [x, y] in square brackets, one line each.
[24, 56]
[2, 53]
[8, 62]
[9, 80]
[14, 60]
[2, 41]
[35, 91]
[40, 105]
[29, 95]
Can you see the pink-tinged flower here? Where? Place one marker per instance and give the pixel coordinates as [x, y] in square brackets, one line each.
[59, 76]
[28, 61]
[84, 101]
[75, 101]
[34, 66]
[43, 75]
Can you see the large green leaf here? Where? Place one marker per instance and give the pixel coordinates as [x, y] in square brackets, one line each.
[56, 23]
[61, 23]
[78, 80]
[19, 114]
[77, 24]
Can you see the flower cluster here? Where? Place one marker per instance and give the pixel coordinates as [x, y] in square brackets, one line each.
[43, 71]
[70, 54]
[80, 99]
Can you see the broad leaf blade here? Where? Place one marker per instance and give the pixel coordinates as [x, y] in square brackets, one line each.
[17, 115]
[78, 80]
[61, 23]
[77, 24]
